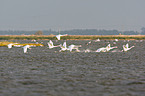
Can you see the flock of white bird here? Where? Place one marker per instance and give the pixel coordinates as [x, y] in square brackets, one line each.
[75, 47]
[64, 46]
[25, 48]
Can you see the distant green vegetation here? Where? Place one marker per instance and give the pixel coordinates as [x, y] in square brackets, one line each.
[71, 37]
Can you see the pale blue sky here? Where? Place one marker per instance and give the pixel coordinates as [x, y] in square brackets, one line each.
[72, 14]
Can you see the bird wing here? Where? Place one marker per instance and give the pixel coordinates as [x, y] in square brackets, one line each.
[127, 45]
[25, 49]
[58, 37]
[51, 43]
[70, 47]
[64, 44]
[108, 46]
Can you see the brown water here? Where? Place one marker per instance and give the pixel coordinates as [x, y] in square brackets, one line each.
[47, 72]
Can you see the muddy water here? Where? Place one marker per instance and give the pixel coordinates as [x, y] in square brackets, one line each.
[47, 72]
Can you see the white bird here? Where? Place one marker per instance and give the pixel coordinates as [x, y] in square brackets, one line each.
[87, 50]
[63, 47]
[108, 48]
[33, 40]
[72, 46]
[17, 45]
[25, 48]
[14, 45]
[50, 45]
[126, 47]
[116, 40]
[103, 49]
[98, 40]
[59, 35]
[89, 42]
[10, 45]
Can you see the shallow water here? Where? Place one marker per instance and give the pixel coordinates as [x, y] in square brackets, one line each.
[47, 72]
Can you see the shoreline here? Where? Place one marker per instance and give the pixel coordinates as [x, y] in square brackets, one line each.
[72, 37]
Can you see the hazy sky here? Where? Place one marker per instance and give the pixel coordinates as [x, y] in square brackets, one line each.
[72, 14]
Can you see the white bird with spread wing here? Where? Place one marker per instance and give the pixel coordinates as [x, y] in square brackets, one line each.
[59, 35]
[105, 49]
[63, 47]
[50, 45]
[126, 47]
[72, 46]
[108, 48]
[102, 49]
[98, 40]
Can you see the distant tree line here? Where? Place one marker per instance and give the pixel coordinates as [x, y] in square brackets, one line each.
[143, 30]
[99, 32]
[74, 32]
[38, 33]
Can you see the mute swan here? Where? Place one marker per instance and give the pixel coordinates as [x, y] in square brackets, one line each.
[116, 40]
[108, 48]
[89, 42]
[72, 46]
[126, 47]
[17, 45]
[59, 35]
[103, 49]
[63, 47]
[50, 44]
[98, 40]
[87, 50]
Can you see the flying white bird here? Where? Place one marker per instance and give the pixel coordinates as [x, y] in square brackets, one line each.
[14, 45]
[87, 50]
[25, 48]
[72, 46]
[89, 42]
[102, 49]
[50, 45]
[63, 47]
[33, 40]
[98, 40]
[59, 35]
[108, 48]
[126, 47]
[116, 40]
[17, 45]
